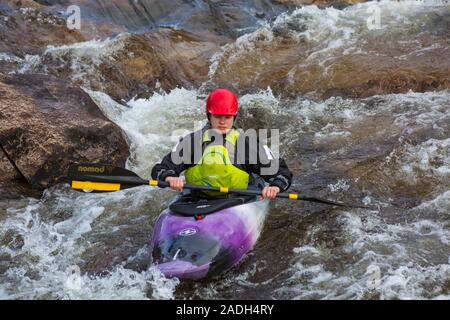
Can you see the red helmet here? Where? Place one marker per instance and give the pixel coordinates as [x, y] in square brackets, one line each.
[222, 102]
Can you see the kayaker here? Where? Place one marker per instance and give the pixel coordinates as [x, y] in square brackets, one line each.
[223, 163]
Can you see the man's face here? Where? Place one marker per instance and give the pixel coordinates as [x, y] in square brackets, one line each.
[221, 123]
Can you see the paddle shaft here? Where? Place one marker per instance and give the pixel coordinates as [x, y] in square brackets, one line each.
[108, 178]
[136, 181]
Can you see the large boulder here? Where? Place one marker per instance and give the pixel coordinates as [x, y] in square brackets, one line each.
[228, 17]
[165, 58]
[130, 65]
[47, 124]
[12, 184]
[27, 29]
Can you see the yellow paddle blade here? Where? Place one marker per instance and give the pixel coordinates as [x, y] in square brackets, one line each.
[98, 186]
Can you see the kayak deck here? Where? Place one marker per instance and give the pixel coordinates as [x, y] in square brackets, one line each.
[188, 207]
[185, 246]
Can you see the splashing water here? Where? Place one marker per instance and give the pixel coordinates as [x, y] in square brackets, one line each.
[385, 150]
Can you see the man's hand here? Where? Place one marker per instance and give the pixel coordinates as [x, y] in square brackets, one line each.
[175, 183]
[270, 192]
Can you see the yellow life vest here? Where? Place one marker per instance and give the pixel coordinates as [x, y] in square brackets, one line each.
[215, 168]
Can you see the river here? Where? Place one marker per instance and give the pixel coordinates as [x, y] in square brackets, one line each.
[389, 150]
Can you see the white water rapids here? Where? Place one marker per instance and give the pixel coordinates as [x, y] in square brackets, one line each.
[391, 151]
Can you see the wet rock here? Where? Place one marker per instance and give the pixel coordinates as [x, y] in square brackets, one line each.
[27, 30]
[133, 65]
[16, 4]
[260, 15]
[12, 240]
[168, 58]
[229, 17]
[12, 184]
[47, 124]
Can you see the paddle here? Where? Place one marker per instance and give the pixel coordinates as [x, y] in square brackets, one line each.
[106, 178]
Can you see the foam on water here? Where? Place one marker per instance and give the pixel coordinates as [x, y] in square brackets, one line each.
[264, 99]
[47, 260]
[338, 186]
[402, 255]
[83, 58]
[410, 112]
[440, 204]
[9, 57]
[390, 261]
[327, 33]
[30, 64]
[431, 157]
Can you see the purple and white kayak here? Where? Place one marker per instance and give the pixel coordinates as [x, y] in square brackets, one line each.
[192, 240]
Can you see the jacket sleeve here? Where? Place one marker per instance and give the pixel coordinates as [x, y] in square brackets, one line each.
[282, 179]
[273, 170]
[174, 163]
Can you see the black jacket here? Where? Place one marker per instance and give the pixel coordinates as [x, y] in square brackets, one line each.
[262, 164]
